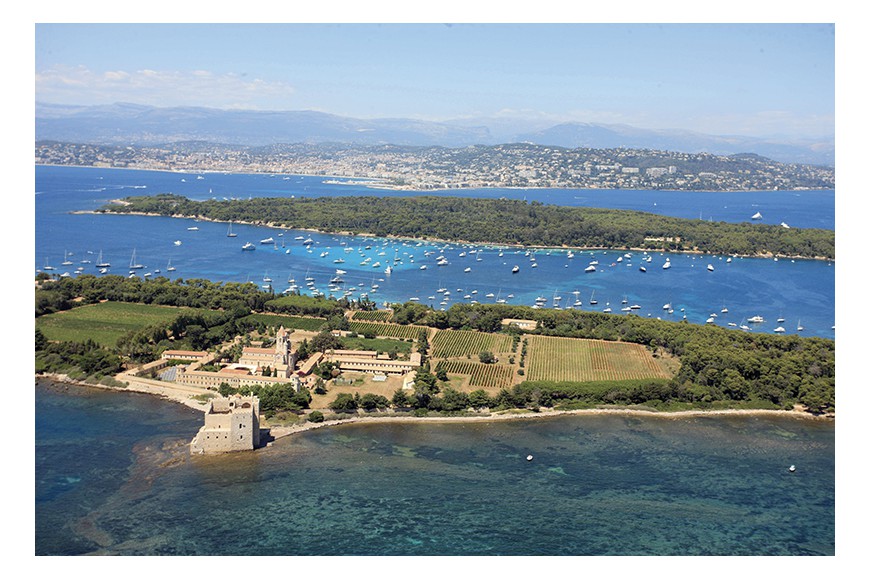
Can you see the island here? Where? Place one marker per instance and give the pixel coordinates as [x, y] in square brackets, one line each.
[472, 220]
[321, 361]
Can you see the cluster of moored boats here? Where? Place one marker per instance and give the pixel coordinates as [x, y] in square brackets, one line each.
[370, 254]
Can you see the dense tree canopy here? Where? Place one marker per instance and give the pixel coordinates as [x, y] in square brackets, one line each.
[484, 220]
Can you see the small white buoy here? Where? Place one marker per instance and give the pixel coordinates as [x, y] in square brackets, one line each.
[792, 469]
[529, 458]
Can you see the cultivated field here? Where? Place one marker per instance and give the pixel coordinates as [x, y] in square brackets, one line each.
[456, 343]
[574, 359]
[482, 375]
[373, 316]
[105, 322]
[386, 329]
[297, 322]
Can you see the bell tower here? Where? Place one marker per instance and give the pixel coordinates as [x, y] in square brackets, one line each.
[282, 346]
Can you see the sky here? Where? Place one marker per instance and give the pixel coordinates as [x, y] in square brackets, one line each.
[763, 80]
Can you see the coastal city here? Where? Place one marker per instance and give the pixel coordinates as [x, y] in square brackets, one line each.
[433, 168]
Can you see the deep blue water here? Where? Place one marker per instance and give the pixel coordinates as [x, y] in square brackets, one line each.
[113, 476]
[800, 291]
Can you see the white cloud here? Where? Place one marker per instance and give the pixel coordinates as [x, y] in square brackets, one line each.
[81, 86]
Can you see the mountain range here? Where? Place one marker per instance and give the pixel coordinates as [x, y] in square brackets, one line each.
[132, 124]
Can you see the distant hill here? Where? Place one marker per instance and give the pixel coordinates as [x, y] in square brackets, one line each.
[125, 123]
[574, 135]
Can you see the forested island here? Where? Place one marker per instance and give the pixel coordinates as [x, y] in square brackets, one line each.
[496, 221]
[717, 367]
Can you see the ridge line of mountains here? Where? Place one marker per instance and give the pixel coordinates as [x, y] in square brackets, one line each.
[132, 124]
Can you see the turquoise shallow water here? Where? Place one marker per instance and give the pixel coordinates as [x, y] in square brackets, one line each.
[113, 476]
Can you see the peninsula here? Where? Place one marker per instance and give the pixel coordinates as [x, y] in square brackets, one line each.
[480, 166]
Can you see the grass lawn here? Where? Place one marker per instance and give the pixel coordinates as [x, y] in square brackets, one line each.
[376, 344]
[105, 322]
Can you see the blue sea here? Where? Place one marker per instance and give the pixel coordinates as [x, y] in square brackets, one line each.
[113, 476]
[787, 294]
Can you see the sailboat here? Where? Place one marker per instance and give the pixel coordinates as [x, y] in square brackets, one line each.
[133, 264]
[101, 263]
[169, 266]
[592, 299]
[66, 260]
[230, 233]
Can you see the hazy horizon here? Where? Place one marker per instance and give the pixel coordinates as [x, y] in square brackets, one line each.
[753, 80]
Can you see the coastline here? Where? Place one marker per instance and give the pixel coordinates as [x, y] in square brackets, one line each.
[280, 431]
[378, 182]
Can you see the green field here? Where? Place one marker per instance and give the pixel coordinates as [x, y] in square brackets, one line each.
[297, 322]
[377, 344]
[387, 330]
[492, 376]
[551, 358]
[373, 315]
[459, 343]
[105, 322]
